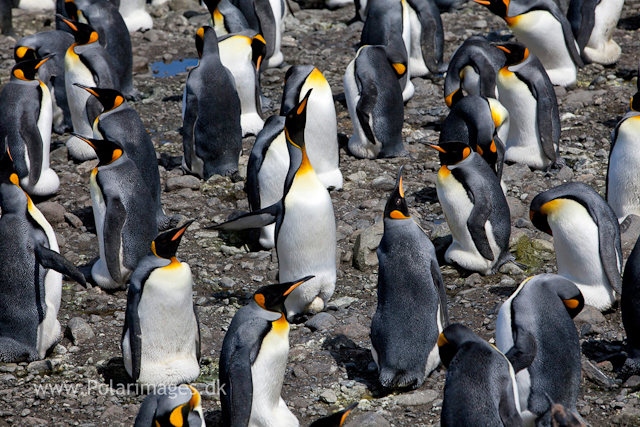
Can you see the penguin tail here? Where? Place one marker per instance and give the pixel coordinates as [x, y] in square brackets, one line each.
[391, 378]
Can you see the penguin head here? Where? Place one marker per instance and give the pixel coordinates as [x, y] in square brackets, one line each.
[82, 33]
[272, 297]
[166, 244]
[452, 338]
[109, 98]
[71, 9]
[396, 60]
[26, 70]
[497, 7]
[8, 173]
[178, 407]
[258, 50]
[635, 102]
[454, 97]
[24, 53]
[396, 207]
[206, 39]
[336, 419]
[540, 207]
[452, 152]
[515, 53]
[295, 122]
[107, 151]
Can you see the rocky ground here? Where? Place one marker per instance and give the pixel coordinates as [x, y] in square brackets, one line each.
[330, 363]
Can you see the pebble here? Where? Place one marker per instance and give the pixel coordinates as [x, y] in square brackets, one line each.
[328, 396]
[370, 419]
[184, 181]
[321, 321]
[366, 244]
[342, 302]
[52, 211]
[40, 366]
[79, 331]
[417, 398]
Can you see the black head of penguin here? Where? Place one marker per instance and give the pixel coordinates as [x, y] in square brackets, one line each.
[272, 297]
[26, 70]
[175, 407]
[12, 197]
[109, 98]
[107, 151]
[8, 174]
[336, 419]
[82, 33]
[24, 53]
[538, 213]
[206, 41]
[452, 338]
[515, 53]
[258, 50]
[295, 122]
[166, 244]
[71, 9]
[396, 207]
[497, 7]
[635, 102]
[452, 152]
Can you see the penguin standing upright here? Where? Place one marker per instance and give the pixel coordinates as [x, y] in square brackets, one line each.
[267, 171]
[242, 54]
[25, 127]
[623, 171]
[212, 134]
[321, 129]
[30, 279]
[305, 232]
[226, 18]
[124, 214]
[541, 26]
[527, 93]
[475, 208]
[630, 309]
[161, 336]
[163, 404]
[473, 67]
[120, 123]
[480, 388]
[51, 73]
[593, 23]
[586, 239]
[412, 303]
[374, 100]
[535, 331]
[87, 63]
[254, 358]
[427, 38]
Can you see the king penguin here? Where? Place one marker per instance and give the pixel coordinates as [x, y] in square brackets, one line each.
[630, 308]
[475, 209]
[254, 358]
[412, 303]
[541, 26]
[374, 100]
[226, 18]
[427, 39]
[124, 214]
[593, 23]
[623, 171]
[135, 15]
[212, 133]
[25, 127]
[120, 123]
[30, 276]
[586, 239]
[171, 407]
[527, 93]
[480, 388]
[305, 233]
[321, 129]
[473, 67]
[535, 331]
[161, 336]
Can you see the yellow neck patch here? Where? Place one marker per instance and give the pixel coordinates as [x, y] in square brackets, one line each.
[449, 99]
[176, 418]
[444, 171]
[305, 166]
[512, 21]
[281, 325]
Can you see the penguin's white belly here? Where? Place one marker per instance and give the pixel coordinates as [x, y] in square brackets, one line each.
[359, 144]
[37, 5]
[271, 177]
[48, 182]
[135, 15]
[417, 65]
[601, 48]
[168, 326]
[523, 141]
[76, 72]
[543, 35]
[408, 90]
[624, 170]
[577, 247]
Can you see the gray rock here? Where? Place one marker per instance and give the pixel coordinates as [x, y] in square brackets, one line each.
[370, 419]
[59, 155]
[40, 366]
[511, 268]
[52, 211]
[73, 220]
[364, 249]
[595, 375]
[565, 174]
[320, 322]
[384, 182]
[474, 279]
[580, 98]
[628, 416]
[113, 411]
[516, 208]
[79, 331]
[227, 282]
[86, 167]
[589, 315]
[516, 174]
[328, 396]
[417, 398]
[343, 302]
[184, 181]
[630, 230]
[7, 378]
[632, 382]
[543, 245]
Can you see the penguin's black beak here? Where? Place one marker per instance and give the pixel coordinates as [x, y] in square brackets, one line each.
[68, 22]
[88, 89]
[166, 244]
[440, 149]
[45, 59]
[295, 122]
[346, 412]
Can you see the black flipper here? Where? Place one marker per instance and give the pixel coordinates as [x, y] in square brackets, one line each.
[189, 123]
[53, 260]
[545, 124]
[500, 150]
[112, 234]
[442, 295]
[198, 340]
[524, 349]
[256, 219]
[132, 325]
[366, 104]
[30, 134]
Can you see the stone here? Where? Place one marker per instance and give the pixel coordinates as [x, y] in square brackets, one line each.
[364, 249]
[86, 167]
[580, 98]
[516, 208]
[227, 282]
[565, 174]
[320, 322]
[328, 396]
[370, 419]
[113, 411]
[59, 155]
[52, 211]
[184, 181]
[516, 174]
[474, 279]
[595, 375]
[73, 220]
[543, 245]
[417, 398]
[632, 382]
[343, 302]
[629, 232]
[384, 182]
[589, 315]
[79, 331]
[511, 268]
[40, 366]
[33, 421]
[628, 416]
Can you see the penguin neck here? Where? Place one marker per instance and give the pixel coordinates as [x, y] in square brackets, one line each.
[305, 165]
[13, 199]
[271, 316]
[15, 80]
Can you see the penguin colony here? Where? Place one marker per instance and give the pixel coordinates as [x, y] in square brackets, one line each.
[503, 109]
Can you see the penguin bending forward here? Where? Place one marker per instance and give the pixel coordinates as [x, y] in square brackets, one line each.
[171, 406]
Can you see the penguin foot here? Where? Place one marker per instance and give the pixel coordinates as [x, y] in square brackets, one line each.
[302, 318]
[392, 379]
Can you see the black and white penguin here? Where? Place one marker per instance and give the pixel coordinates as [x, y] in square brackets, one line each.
[161, 336]
[267, 172]
[120, 123]
[321, 129]
[481, 123]
[586, 239]
[475, 208]
[480, 388]
[135, 15]
[623, 173]
[171, 407]
[527, 93]
[124, 214]
[211, 130]
[305, 233]
[88, 63]
[25, 127]
[412, 303]
[51, 73]
[630, 308]
[593, 23]
[336, 419]
[242, 54]
[226, 18]
[254, 358]
[473, 68]
[427, 39]
[374, 100]
[30, 276]
[535, 331]
[541, 25]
